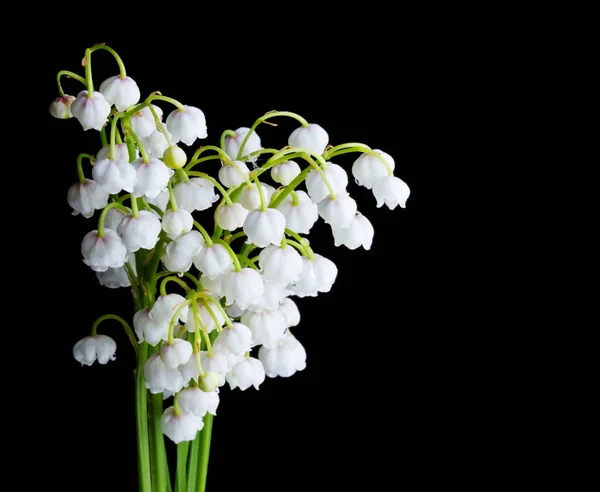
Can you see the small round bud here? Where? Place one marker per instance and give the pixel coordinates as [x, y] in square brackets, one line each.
[174, 157]
[209, 382]
[61, 107]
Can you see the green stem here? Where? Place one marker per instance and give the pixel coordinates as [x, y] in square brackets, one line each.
[130, 132]
[125, 325]
[217, 305]
[160, 472]
[193, 464]
[214, 182]
[80, 165]
[192, 163]
[226, 133]
[159, 97]
[235, 236]
[205, 435]
[236, 262]
[113, 134]
[182, 455]
[172, 197]
[207, 238]
[183, 175]
[289, 188]
[122, 71]
[135, 212]
[70, 75]
[88, 73]
[263, 205]
[105, 211]
[172, 278]
[103, 139]
[223, 155]
[141, 414]
[159, 125]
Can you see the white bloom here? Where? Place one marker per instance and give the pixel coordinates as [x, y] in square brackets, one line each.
[316, 187]
[182, 427]
[267, 327]
[230, 217]
[160, 377]
[187, 125]
[290, 311]
[123, 92]
[234, 311]
[272, 295]
[148, 329]
[85, 197]
[368, 169]
[213, 260]
[139, 232]
[215, 284]
[244, 287]
[284, 360]
[237, 339]
[233, 175]
[358, 233]
[113, 278]
[152, 177]
[264, 228]
[97, 347]
[189, 370]
[313, 137]
[91, 112]
[102, 253]
[194, 400]
[246, 373]
[156, 143]
[250, 198]
[176, 354]
[196, 194]
[338, 211]
[143, 123]
[392, 191]
[220, 361]
[179, 253]
[114, 175]
[177, 222]
[121, 152]
[165, 307]
[161, 200]
[113, 218]
[233, 144]
[285, 172]
[301, 217]
[61, 107]
[280, 265]
[318, 275]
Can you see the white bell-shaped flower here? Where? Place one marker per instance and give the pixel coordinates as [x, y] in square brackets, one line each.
[187, 125]
[219, 361]
[248, 372]
[312, 137]
[161, 201]
[121, 152]
[391, 191]
[368, 169]
[123, 92]
[234, 311]
[316, 187]
[285, 359]
[210, 381]
[250, 197]
[280, 265]
[358, 233]
[215, 285]
[102, 253]
[270, 192]
[267, 327]
[160, 377]
[189, 370]
[264, 228]
[92, 348]
[165, 307]
[139, 232]
[233, 144]
[152, 177]
[196, 194]
[61, 107]
[113, 278]
[86, 197]
[244, 287]
[291, 312]
[113, 218]
[233, 175]
[317, 275]
[272, 295]
[91, 112]
[143, 123]
[230, 217]
[194, 400]
[205, 316]
[148, 329]
[213, 260]
[338, 211]
[156, 143]
[237, 339]
[177, 222]
[179, 253]
[114, 175]
[176, 354]
[285, 172]
[301, 217]
[182, 427]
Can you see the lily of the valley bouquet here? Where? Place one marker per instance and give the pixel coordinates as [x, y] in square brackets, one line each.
[213, 302]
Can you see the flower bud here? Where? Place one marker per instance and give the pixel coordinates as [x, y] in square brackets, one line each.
[61, 107]
[176, 354]
[285, 172]
[84, 198]
[209, 382]
[312, 137]
[264, 228]
[174, 157]
[233, 144]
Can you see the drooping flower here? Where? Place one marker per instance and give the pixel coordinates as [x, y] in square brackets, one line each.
[97, 347]
[248, 372]
[91, 112]
[123, 92]
[86, 197]
[285, 172]
[391, 191]
[233, 144]
[103, 252]
[312, 137]
[358, 233]
[182, 427]
[264, 228]
[139, 232]
[187, 125]
[61, 107]
[285, 359]
[368, 168]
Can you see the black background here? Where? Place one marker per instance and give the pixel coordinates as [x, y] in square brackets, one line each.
[379, 402]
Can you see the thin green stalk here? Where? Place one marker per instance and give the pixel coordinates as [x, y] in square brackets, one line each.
[192, 464]
[159, 472]
[205, 436]
[182, 455]
[141, 414]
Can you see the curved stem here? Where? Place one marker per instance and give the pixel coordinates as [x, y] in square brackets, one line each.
[88, 73]
[105, 211]
[226, 133]
[122, 71]
[172, 197]
[70, 75]
[205, 235]
[263, 206]
[193, 279]
[223, 155]
[193, 162]
[80, 158]
[160, 97]
[230, 239]
[202, 328]
[159, 125]
[113, 133]
[172, 278]
[174, 318]
[215, 183]
[183, 175]
[125, 325]
[236, 262]
[212, 314]
[129, 131]
[217, 304]
[103, 139]
[289, 188]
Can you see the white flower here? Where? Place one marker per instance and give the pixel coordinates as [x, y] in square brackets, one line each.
[220, 361]
[177, 222]
[250, 198]
[233, 175]
[148, 329]
[301, 217]
[139, 232]
[186, 125]
[196, 194]
[179, 253]
[280, 265]
[244, 287]
[114, 175]
[189, 370]
[235, 312]
[86, 197]
[368, 169]
[165, 307]
[182, 427]
[121, 152]
[274, 292]
[237, 339]
[312, 137]
[233, 144]
[161, 200]
[102, 253]
[113, 278]
[113, 218]
[160, 377]
[264, 228]
[215, 284]
[284, 360]
[358, 233]
[338, 211]
[123, 92]
[316, 187]
[267, 326]
[317, 275]
[176, 354]
[213, 260]
[143, 123]
[156, 143]
[194, 400]
[205, 316]
[61, 107]
[392, 191]
[152, 177]
[291, 312]
[97, 347]
[246, 373]
[230, 217]
[92, 111]
[285, 172]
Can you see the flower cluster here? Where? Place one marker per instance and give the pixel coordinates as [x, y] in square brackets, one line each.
[233, 324]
